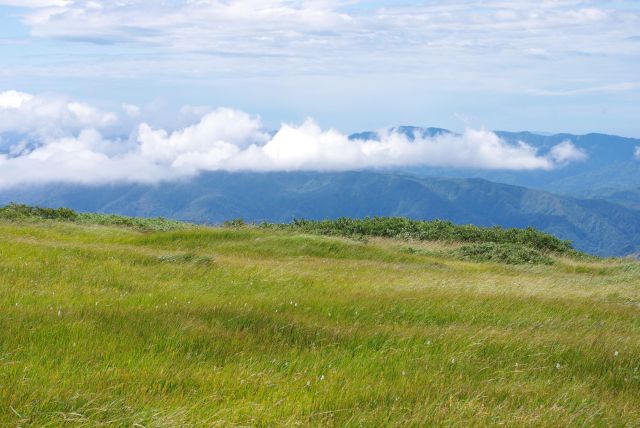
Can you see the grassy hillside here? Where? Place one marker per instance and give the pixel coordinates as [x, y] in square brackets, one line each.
[142, 325]
[594, 226]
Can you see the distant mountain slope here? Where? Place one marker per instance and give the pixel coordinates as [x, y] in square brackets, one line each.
[597, 226]
[628, 198]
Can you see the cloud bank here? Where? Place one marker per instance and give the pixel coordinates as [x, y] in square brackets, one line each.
[51, 139]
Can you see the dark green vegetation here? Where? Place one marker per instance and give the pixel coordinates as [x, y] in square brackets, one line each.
[249, 326]
[437, 230]
[595, 226]
[23, 212]
[512, 254]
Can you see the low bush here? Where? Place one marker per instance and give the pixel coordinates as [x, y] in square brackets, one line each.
[436, 230]
[145, 224]
[18, 211]
[512, 254]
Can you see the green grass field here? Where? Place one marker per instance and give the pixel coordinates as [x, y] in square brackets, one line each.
[192, 326]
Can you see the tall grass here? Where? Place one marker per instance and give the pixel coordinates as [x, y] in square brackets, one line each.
[106, 326]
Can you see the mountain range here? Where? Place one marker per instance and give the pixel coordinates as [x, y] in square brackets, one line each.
[595, 202]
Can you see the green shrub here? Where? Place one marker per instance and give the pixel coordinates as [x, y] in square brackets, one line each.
[512, 254]
[436, 230]
[15, 211]
[144, 224]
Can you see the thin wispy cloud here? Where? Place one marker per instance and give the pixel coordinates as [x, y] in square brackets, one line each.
[78, 148]
[325, 36]
[612, 88]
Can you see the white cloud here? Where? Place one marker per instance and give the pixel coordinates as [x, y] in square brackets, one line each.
[231, 140]
[78, 160]
[47, 116]
[132, 111]
[307, 147]
[218, 136]
[567, 152]
[13, 99]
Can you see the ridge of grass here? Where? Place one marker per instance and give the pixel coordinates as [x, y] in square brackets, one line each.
[435, 230]
[481, 244]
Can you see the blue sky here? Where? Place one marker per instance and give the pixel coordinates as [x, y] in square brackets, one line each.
[553, 65]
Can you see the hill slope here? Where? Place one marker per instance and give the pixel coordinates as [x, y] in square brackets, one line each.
[253, 327]
[595, 226]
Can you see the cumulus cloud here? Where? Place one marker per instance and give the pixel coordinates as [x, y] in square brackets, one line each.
[13, 99]
[80, 159]
[307, 147]
[48, 116]
[77, 150]
[218, 136]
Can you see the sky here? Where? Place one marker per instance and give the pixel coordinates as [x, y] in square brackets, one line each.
[102, 79]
